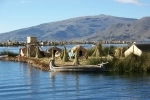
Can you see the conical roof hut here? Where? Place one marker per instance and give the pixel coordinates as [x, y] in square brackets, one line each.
[53, 50]
[65, 55]
[98, 50]
[81, 51]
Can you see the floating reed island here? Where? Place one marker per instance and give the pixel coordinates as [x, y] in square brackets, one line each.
[120, 59]
[79, 58]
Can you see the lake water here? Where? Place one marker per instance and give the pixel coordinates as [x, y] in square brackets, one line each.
[19, 81]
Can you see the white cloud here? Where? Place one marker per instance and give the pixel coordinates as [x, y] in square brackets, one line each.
[137, 2]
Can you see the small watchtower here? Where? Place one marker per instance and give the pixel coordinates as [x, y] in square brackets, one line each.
[31, 42]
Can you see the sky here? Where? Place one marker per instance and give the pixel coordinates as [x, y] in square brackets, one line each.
[17, 14]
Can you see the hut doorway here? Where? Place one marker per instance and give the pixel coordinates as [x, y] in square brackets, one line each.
[54, 52]
[80, 53]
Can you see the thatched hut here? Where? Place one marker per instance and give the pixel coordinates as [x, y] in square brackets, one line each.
[81, 51]
[55, 50]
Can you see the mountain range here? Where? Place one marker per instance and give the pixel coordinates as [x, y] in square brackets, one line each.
[88, 28]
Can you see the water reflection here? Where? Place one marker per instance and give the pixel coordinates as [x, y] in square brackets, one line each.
[104, 85]
[31, 77]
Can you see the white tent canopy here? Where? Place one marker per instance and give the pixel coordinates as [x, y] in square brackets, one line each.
[133, 50]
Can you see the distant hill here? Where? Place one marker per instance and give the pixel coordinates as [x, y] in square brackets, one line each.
[91, 28]
[136, 30]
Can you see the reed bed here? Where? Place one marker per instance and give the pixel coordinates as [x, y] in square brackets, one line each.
[131, 63]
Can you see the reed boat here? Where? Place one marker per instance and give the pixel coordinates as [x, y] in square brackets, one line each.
[77, 68]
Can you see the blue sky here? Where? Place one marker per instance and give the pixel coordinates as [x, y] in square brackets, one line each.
[17, 14]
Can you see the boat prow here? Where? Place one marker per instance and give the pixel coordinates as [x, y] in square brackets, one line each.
[76, 68]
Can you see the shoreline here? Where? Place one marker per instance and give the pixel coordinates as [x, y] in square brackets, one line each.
[34, 62]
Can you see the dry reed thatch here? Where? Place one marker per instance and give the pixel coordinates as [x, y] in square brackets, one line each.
[119, 52]
[38, 55]
[82, 52]
[65, 54]
[98, 50]
[53, 55]
[53, 49]
[76, 59]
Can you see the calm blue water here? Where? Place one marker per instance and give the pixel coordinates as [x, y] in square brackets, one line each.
[19, 81]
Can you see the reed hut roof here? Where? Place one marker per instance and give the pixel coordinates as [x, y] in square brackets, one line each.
[82, 50]
[54, 48]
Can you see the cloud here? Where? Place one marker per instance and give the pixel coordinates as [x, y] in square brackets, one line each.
[136, 2]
